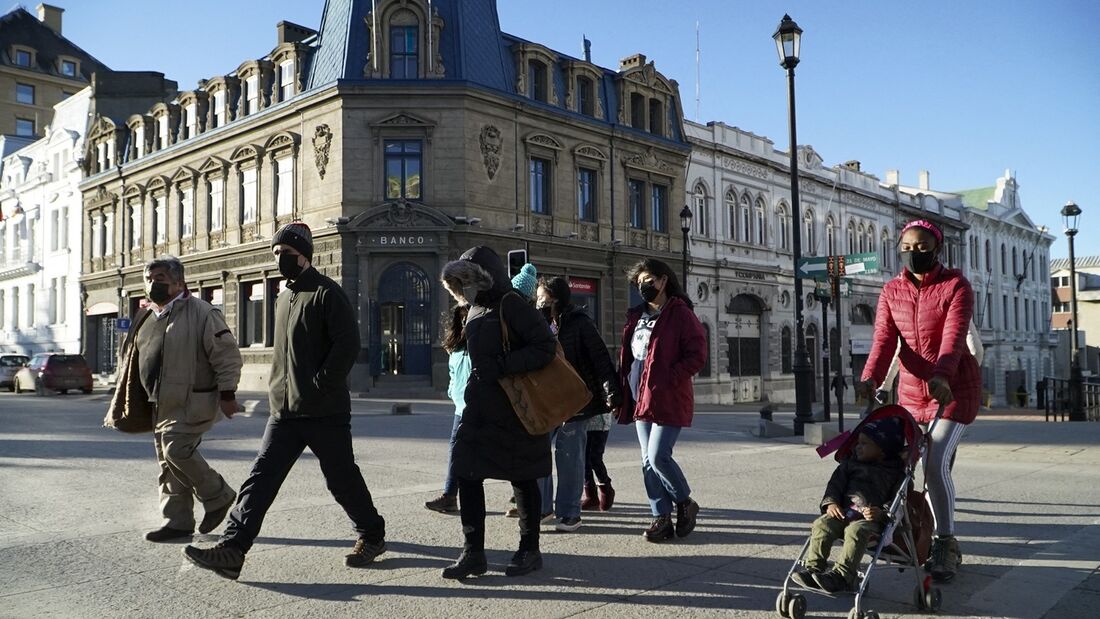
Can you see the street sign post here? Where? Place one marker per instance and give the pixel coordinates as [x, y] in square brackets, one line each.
[861, 264]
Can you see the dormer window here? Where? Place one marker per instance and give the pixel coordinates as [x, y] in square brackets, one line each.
[191, 120]
[252, 94]
[24, 58]
[219, 108]
[162, 133]
[637, 111]
[139, 140]
[536, 80]
[286, 80]
[586, 103]
[68, 68]
[656, 117]
[403, 52]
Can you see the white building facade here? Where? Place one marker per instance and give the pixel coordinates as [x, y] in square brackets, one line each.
[1008, 264]
[741, 277]
[40, 237]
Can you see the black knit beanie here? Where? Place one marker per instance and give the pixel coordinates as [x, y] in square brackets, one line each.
[297, 235]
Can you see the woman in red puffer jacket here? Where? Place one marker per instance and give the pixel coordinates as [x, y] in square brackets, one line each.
[664, 346]
[929, 307]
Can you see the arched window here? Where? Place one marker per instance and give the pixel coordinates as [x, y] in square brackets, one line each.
[988, 257]
[852, 237]
[870, 238]
[404, 46]
[887, 252]
[861, 234]
[785, 348]
[761, 229]
[809, 241]
[1004, 260]
[746, 219]
[702, 218]
[830, 235]
[731, 212]
[784, 226]
[1015, 263]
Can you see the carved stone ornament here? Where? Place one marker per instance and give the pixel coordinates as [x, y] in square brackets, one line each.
[648, 161]
[322, 141]
[491, 141]
[401, 213]
[543, 225]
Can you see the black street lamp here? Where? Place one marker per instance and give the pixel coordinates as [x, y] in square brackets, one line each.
[685, 227]
[1071, 213]
[788, 43]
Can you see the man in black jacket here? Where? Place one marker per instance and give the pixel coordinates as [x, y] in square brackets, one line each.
[316, 343]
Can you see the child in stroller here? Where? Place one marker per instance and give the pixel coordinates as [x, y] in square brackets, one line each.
[853, 507]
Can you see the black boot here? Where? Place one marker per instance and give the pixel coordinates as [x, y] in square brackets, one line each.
[470, 563]
[524, 562]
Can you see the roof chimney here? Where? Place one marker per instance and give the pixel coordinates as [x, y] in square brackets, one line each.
[587, 49]
[892, 177]
[290, 32]
[924, 180]
[632, 62]
[51, 16]
[852, 165]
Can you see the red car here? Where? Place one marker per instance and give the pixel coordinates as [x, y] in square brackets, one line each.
[53, 371]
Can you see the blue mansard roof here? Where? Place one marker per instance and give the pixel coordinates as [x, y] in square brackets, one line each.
[472, 47]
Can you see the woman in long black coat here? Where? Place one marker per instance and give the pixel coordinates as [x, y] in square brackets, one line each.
[491, 443]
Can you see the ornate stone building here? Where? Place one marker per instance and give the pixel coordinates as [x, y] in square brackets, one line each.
[401, 135]
[738, 186]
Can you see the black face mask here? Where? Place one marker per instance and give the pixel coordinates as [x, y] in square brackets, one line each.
[158, 293]
[288, 266]
[648, 291]
[918, 262]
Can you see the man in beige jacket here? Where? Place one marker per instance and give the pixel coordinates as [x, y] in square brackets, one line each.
[182, 359]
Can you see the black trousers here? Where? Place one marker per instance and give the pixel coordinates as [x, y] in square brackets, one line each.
[594, 468]
[471, 502]
[329, 438]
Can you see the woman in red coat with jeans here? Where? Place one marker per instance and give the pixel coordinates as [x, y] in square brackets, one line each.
[929, 307]
[663, 348]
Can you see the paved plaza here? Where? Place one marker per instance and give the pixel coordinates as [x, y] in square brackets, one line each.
[76, 499]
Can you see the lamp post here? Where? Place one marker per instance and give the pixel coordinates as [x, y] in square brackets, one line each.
[788, 42]
[685, 227]
[1071, 213]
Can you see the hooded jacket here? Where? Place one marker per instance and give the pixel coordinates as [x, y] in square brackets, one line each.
[585, 350]
[932, 321]
[677, 351]
[491, 442]
[316, 343]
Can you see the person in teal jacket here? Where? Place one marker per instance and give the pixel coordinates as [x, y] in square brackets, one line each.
[458, 365]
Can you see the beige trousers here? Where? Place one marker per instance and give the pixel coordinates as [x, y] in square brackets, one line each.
[185, 475]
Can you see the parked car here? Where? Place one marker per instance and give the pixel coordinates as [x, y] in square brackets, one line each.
[9, 365]
[53, 371]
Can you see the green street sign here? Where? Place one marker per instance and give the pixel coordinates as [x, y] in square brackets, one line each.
[816, 267]
[861, 264]
[825, 289]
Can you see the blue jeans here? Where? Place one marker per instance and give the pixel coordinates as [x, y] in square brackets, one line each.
[664, 481]
[569, 446]
[450, 485]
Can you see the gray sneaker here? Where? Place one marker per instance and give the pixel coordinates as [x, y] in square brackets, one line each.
[224, 560]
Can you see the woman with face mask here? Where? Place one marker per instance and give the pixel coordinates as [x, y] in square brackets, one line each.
[926, 310]
[663, 347]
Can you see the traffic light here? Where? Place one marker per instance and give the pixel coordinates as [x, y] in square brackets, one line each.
[516, 259]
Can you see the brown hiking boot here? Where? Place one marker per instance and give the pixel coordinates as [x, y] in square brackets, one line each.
[364, 552]
[444, 504]
[660, 530]
[945, 559]
[686, 513]
[225, 560]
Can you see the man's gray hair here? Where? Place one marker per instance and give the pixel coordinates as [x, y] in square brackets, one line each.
[170, 263]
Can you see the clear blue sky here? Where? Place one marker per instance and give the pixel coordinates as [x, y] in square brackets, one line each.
[964, 89]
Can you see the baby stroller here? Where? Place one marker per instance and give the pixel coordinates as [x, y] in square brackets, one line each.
[905, 540]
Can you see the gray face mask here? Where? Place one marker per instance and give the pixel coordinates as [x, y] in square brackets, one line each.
[470, 292]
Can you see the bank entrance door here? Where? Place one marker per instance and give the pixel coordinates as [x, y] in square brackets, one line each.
[403, 322]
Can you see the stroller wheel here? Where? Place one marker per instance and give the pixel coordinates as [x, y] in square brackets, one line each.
[796, 608]
[781, 602]
[933, 599]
